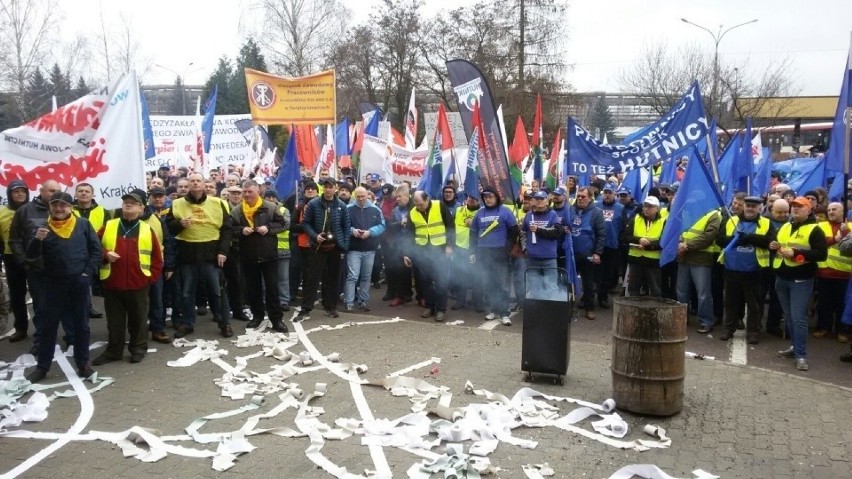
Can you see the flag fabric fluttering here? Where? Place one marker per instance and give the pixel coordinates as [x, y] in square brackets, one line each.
[537, 139]
[762, 170]
[814, 178]
[838, 149]
[288, 173]
[519, 151]
[554, 166]
[571, 268]
[726, 168]
[209, 115]
[433, 177]
[633, 180]
[411, 124]
[743, 167]
[147, 131]
[696, 197]
[471, 179]
[327, 155]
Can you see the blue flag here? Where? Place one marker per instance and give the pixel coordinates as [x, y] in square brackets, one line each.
[727, 170]
[471, 179]
[288, 174]
[763, 174]
[814, 178]
[147, 131]
[838, 188]
[207, 120]
[372, 126]
[669, 172]
[684, 125]
[696, 197]
[633, 180]
[538, 166]
[341, 138]
[571, 267]
[743, 167]
[838, 148]
[432, 182]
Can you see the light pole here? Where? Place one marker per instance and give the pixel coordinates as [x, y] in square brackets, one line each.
[182, 83]
[717, 38]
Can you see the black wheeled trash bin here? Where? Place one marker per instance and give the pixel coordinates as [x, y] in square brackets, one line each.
[547, 316]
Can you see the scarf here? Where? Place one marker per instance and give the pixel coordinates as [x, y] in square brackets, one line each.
[64, 228]
[249, 211]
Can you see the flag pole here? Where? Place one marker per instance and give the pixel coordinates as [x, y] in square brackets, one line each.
[334, 127]
[714, 167]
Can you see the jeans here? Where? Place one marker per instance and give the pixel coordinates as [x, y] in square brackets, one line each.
[156, 308]
[359, 269]
[700, 276]
[518, 265]
[16, 278]
[542, 280]
[205, 275]
[495, 264]
[794, 296]
[284, 280]
[69, 300]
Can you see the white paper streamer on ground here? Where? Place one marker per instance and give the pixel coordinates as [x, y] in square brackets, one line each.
[537, 471]
[650, 471]
[202, 350]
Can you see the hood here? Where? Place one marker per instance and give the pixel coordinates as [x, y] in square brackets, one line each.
[16, 184]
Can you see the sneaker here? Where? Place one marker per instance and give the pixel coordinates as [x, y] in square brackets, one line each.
[350, 307]
[506, 321]
[704, 329]
[332, 313]
[363, 307]
[787, 353]
[302, 316]
[36, 375]
[440, 316]
[517, 308]
[95, 314]
[285, 307]
[183, 331]
[490, 316]
[802, 364]
[18, 336]
[427, 313]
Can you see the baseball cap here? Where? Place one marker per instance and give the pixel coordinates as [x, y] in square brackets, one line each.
[664, 186]
[752, 199]
[61, 196]
[235, 189]
[328, 181]
[164, 168]
[270, 194]
[540, 195]
[559, 191]
[157, 191]
[309, 185]
[652, 200]
[137, 195]
[623, 190]
[608, 187]
[675, 186]
[269, 180]
[344, 185]
[373, 177]
[171, 189]
[800, 201]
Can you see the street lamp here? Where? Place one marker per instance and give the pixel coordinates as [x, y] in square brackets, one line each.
[183, 83]
[717, 38]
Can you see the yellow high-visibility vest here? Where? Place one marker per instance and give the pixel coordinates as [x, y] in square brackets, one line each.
[834, 260]
[431, 231]
[801, 240]
[97, 215]
[284, 236]
[207, 218]
[641, 229]
[698, 229]
[761, 254]
[462, 229]
[145, 246]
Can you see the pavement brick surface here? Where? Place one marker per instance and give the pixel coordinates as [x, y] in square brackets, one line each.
[737, 421]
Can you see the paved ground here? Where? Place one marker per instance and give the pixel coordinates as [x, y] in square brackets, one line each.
[737, 421]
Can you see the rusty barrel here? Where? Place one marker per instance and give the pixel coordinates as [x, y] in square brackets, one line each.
[648, 355]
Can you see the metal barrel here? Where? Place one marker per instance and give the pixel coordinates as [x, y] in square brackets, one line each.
[648, 355]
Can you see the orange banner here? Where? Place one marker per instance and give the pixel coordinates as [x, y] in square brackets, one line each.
[275, 100]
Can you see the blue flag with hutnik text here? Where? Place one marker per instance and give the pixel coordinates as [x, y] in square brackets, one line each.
[837, 147]
[684, 125]
[207, 120]
[696, 197]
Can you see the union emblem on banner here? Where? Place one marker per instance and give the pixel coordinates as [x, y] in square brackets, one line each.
[469, 93]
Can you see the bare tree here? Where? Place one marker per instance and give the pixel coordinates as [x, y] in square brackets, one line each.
[297, 32]
[26, 29]
[119, 48]
[358, 76]
[660, 77]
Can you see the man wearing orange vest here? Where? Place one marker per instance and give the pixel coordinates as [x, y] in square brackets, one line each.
[132, 261]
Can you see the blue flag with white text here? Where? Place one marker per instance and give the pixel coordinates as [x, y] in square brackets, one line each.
[696, 197]
[147, 131]
[838, 148]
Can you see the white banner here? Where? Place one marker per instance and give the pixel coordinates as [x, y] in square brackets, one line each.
[407, 165]
[174, 141]
[456, 126]
[374, 152]
[96, 139]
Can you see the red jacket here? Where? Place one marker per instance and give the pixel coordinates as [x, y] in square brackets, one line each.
[125, 273]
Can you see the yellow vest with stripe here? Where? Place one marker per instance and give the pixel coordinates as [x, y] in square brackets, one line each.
[207, 218]
[834, 260]
[801, 240]
[145, 246]
[698, 229]
[641, 229]
[462, 229]
[432, 230]
[97, 215]
[284, 236]
[761, 254]
[6, 215]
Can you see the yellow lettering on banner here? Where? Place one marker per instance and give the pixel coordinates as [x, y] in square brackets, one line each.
[275, 100]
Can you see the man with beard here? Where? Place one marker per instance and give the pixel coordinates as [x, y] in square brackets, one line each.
[588, 233]
[65, 253]
[493, 231]
[344, 192]
[18, 194]
[431, 227]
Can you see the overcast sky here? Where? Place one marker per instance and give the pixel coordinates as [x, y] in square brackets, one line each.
[603, 36]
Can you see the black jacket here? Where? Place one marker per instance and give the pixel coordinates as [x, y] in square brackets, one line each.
[255, 247]
[55, 257]
[28, 218]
